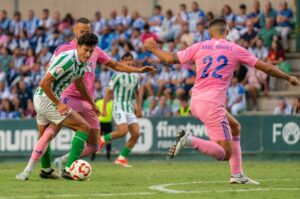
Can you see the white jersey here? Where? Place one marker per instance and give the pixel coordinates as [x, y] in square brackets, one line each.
[65, 68]
[124, 86]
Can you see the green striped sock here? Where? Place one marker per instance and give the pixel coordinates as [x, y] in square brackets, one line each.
[125, 152]
[46, 158]
[77, 147]
[107, 137]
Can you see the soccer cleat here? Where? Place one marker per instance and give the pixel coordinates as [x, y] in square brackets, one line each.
[123, 162]
[181, 139]
[23, 176]
[242, 179]
[49, 175]
[101, 144]
[58, 162]
[66, 175]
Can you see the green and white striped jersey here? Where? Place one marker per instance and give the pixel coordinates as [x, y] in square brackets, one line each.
[124, 86]
[65, 68]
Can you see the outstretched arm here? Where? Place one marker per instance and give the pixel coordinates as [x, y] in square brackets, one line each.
[275, 72]
[118, 66]
[167, 57]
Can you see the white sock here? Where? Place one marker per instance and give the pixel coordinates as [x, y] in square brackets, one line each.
[30, 166]
[189, 141]
[47, 169]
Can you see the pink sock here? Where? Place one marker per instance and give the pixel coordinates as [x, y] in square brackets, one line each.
[89, 149]
[208, 147]
[39, 149]
[236, 156]
[42, 144]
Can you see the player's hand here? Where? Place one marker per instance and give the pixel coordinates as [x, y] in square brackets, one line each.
[96, 109]
[150, 44]
[148, 69]
[63, 109]
[294, 81]
[103, 113]
[139, 113]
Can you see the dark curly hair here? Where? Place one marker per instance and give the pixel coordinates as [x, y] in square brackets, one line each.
[88, 39]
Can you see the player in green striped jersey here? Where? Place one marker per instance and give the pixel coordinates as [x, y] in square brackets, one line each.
[67, 67]
[124, 87]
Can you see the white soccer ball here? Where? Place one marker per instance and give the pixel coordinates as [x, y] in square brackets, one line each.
[80, 170]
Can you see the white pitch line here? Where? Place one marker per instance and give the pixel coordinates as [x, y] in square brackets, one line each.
[83, 195]
[163, 187]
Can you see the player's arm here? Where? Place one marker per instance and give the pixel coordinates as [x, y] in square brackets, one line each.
[107, 96]
[275, 72]
[45, 84]
[167, 57]
[138, 104]
[83, 91]
[118, 66]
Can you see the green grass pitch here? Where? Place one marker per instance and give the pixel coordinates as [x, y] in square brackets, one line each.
[159, 179]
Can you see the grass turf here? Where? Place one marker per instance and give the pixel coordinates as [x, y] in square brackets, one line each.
[198, 180]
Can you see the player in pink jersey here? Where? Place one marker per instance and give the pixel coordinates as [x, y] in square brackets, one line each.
[73, 99]
[216, 60]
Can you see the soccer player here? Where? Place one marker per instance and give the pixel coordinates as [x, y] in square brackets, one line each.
[67, 67]
[72, 97]
[125, 89]
[216, 60]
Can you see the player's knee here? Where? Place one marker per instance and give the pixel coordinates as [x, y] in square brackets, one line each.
[85, 128]
[227, 156]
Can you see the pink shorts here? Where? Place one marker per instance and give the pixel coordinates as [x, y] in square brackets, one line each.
[84, 108]
[213, 117]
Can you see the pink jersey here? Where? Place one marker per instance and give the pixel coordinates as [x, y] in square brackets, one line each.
[89, 76]
[215, 62]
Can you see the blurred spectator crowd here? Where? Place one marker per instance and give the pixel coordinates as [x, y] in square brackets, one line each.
[27, 43]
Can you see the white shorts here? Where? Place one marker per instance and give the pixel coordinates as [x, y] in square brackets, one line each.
[121, 117]
[47, 111]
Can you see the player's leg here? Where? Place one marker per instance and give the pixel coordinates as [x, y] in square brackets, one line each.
[213, 116]
[134, 130]
[92, 143]
[40, 147]
[121, 128]
[47, 171]
[83, 128]
[237, 174]
[105, 129]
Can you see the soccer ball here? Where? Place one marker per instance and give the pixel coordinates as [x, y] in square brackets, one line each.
[80, 170]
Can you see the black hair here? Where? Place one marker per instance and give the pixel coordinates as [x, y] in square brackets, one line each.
[157, 7]
[146, 26]
[88, 39]
[243, 6]
[128, 54]
[83, 20]
[217, 21]
[182, 5]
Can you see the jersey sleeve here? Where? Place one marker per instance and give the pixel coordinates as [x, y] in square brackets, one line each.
[60, 65]
[113, 81]
[188, 54]
[245, 57]
[103, 57]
